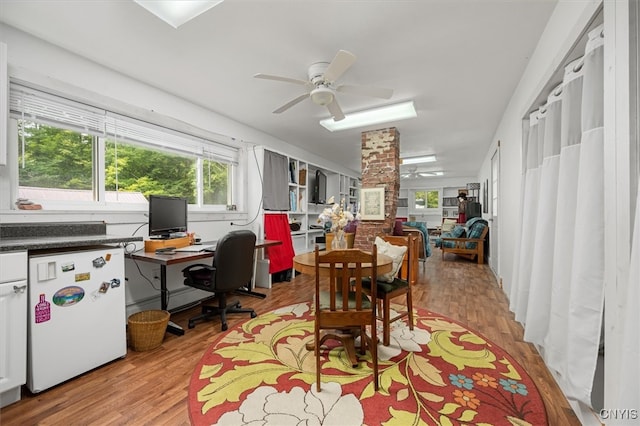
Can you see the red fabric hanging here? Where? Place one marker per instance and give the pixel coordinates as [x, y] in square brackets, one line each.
[276, 227]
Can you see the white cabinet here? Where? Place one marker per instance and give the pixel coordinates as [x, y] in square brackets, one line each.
[13, 325]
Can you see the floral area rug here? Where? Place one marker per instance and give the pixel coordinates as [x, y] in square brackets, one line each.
[441, 373]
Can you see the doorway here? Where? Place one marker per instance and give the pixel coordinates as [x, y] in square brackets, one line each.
[494, 256]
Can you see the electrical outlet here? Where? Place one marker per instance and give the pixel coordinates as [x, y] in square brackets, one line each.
[156, 274]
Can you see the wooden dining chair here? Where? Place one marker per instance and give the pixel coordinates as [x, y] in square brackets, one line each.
[396, 284]
[341, 306]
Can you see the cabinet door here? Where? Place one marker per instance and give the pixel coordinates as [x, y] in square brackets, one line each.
[13, 334]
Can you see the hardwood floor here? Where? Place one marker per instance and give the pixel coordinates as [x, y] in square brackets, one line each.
[150, 388]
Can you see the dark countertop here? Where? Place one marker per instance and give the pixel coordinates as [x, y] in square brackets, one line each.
[38, 236]
[38, 243]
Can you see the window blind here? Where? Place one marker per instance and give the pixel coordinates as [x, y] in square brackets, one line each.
[46, 108]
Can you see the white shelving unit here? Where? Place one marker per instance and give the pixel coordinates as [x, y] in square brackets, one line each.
[450, 200]
[403, 210]
[303, 211]
[298, 201]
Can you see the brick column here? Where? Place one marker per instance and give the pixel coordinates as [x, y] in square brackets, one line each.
[380, 167]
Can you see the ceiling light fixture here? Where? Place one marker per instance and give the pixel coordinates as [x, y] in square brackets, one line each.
[418, 160]
[385, 114]
[177, 12]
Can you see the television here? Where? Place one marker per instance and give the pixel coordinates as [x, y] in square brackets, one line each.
[167, 216]
[474, 209]
[319, 188]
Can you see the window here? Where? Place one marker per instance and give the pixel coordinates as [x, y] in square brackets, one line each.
[56, 159]
[73, 153]
[424, 200]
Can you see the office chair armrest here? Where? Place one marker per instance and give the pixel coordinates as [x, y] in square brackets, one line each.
[199, 266]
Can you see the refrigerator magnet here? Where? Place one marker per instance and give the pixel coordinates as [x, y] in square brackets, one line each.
[42, 310]
[84, 276]
[104, 287]
[68, 296]
[69, 266]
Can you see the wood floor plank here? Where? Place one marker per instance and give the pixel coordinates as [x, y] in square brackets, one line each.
[150, 388]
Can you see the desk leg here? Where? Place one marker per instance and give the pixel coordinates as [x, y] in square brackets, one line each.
[248, 290]
[172, 327]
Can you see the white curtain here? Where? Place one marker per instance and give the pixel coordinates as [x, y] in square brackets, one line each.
[559, 275]
[587, 276]
[537, 314]
[519, 294]
[555, 341]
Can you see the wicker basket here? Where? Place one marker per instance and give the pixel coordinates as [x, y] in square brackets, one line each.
[146, 329]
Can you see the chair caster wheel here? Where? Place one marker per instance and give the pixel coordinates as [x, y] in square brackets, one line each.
[224, 327]
[253, 315]
[191, 324]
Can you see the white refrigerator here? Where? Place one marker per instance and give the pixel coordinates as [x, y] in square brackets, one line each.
[77, 315]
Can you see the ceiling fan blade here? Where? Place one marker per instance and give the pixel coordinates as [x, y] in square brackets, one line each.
[285, 79]
[340, 63]
[291, 103]
[335, 110]
[376, 92]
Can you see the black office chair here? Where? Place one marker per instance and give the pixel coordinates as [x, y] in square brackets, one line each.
[232, 269]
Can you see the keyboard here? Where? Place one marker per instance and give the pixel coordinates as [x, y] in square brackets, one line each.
[197, 247]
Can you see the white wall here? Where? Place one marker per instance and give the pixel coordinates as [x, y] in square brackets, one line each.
[39, 62]
[422, 183]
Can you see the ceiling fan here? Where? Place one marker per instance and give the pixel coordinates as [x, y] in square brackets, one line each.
[414, 173]
[321, 88]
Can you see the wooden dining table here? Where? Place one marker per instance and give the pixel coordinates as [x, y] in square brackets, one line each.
[305, 263]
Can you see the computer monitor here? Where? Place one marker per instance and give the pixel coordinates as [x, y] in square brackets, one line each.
[319, 188]
[167, 216]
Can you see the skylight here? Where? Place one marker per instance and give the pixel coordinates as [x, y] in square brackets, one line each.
[177, 12]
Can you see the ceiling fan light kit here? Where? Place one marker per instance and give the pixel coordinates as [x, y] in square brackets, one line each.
[320, 85]
[322, 96]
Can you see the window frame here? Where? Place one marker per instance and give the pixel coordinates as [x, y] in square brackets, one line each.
[174, 142]
[412, 201]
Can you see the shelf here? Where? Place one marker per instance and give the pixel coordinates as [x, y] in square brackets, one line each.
[301, 177]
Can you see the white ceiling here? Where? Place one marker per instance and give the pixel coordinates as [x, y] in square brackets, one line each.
[458, 60]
